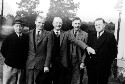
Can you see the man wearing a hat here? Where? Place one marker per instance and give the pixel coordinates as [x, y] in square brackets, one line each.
[15, 51]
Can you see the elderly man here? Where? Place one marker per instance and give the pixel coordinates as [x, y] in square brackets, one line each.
[61, 62]
[15, 51]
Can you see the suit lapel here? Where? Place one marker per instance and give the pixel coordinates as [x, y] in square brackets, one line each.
[61, 37]
[32, 36]
[33, 39]
[101, 40]
[42, 36]
[80, 35]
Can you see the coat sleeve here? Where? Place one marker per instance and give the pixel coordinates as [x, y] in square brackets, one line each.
[113, 48]
[74, 40]
[49, 50]
[4, 47]
[84, 54]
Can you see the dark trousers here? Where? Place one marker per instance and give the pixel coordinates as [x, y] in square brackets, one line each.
[98, 73]
[43, 78]
[38, 77]
[60, 75]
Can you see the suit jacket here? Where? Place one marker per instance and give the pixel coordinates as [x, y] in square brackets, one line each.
[39, 53]
[105, 46]
[83, 36]
[15, 50]
[65, 39]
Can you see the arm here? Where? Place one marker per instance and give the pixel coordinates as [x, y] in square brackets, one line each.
[4, 47]
[113, 48]
[49, 52]
[74, 40]
[80, 43]
[82, 65]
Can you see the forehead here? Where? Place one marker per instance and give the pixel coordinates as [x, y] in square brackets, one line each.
[57, 20]
[99, 22]
[39, 19]
[17, 25]
[76, 21]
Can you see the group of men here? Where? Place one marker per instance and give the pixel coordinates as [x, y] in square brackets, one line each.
[56, 56]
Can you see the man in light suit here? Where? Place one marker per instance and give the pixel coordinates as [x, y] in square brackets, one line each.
[39, 52]
[77, 55]
[99, 65]
[60, 55]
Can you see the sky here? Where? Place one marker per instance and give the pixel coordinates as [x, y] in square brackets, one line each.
[89, 10]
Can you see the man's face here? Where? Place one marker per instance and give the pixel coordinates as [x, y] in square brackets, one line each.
[57, 23]
[40, 23]
[18, 28]
[76, 24]
[99, 25]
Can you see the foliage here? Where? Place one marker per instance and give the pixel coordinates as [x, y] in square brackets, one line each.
[27, 11]
[65, 9]
[9, 20]
[89, 27]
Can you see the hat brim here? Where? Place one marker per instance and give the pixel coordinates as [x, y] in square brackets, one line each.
[18, 22]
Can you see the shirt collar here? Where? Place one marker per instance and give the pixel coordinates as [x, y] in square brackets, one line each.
[100, 33]
[37, 31]
[76, 31]
[56, 31]
[19, 34]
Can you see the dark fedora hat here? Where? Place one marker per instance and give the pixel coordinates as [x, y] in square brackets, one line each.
[18, 21]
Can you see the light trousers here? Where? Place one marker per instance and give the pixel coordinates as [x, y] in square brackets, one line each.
[12, 75]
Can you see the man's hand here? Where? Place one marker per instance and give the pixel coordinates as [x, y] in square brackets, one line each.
[82, 66]
[90, 50]
[46, 69]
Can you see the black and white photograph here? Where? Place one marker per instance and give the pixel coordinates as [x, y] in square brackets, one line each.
[62, 42]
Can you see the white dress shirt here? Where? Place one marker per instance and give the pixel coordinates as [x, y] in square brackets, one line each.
[55, 31]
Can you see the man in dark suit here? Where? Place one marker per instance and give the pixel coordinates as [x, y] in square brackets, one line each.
[15, 51]
[77, 54]
[99, 64]
[39, 52]
[60, 55]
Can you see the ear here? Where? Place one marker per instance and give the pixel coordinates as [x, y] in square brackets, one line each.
[53, 23]
[72, 23]
[104, 25]
[35, 22]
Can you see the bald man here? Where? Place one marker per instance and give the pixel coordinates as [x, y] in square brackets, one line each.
[60, 52]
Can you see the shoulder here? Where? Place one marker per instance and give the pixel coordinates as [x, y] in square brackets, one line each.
[109, 34]
[47, 32]
[84, 33]
[29, 32]
[92, 34]
[67, 32]
[25, 34]
[9, 37]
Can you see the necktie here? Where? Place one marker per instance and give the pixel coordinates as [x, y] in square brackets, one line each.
[98, 35]
[20, 36]
[38, 35]
[57, 34]
[75, 33]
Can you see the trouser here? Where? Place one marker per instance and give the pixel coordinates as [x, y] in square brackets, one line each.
[35, 76]
[31, 75]
[75, 70]
[60, 75]
[98, 74]
[13, 75]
